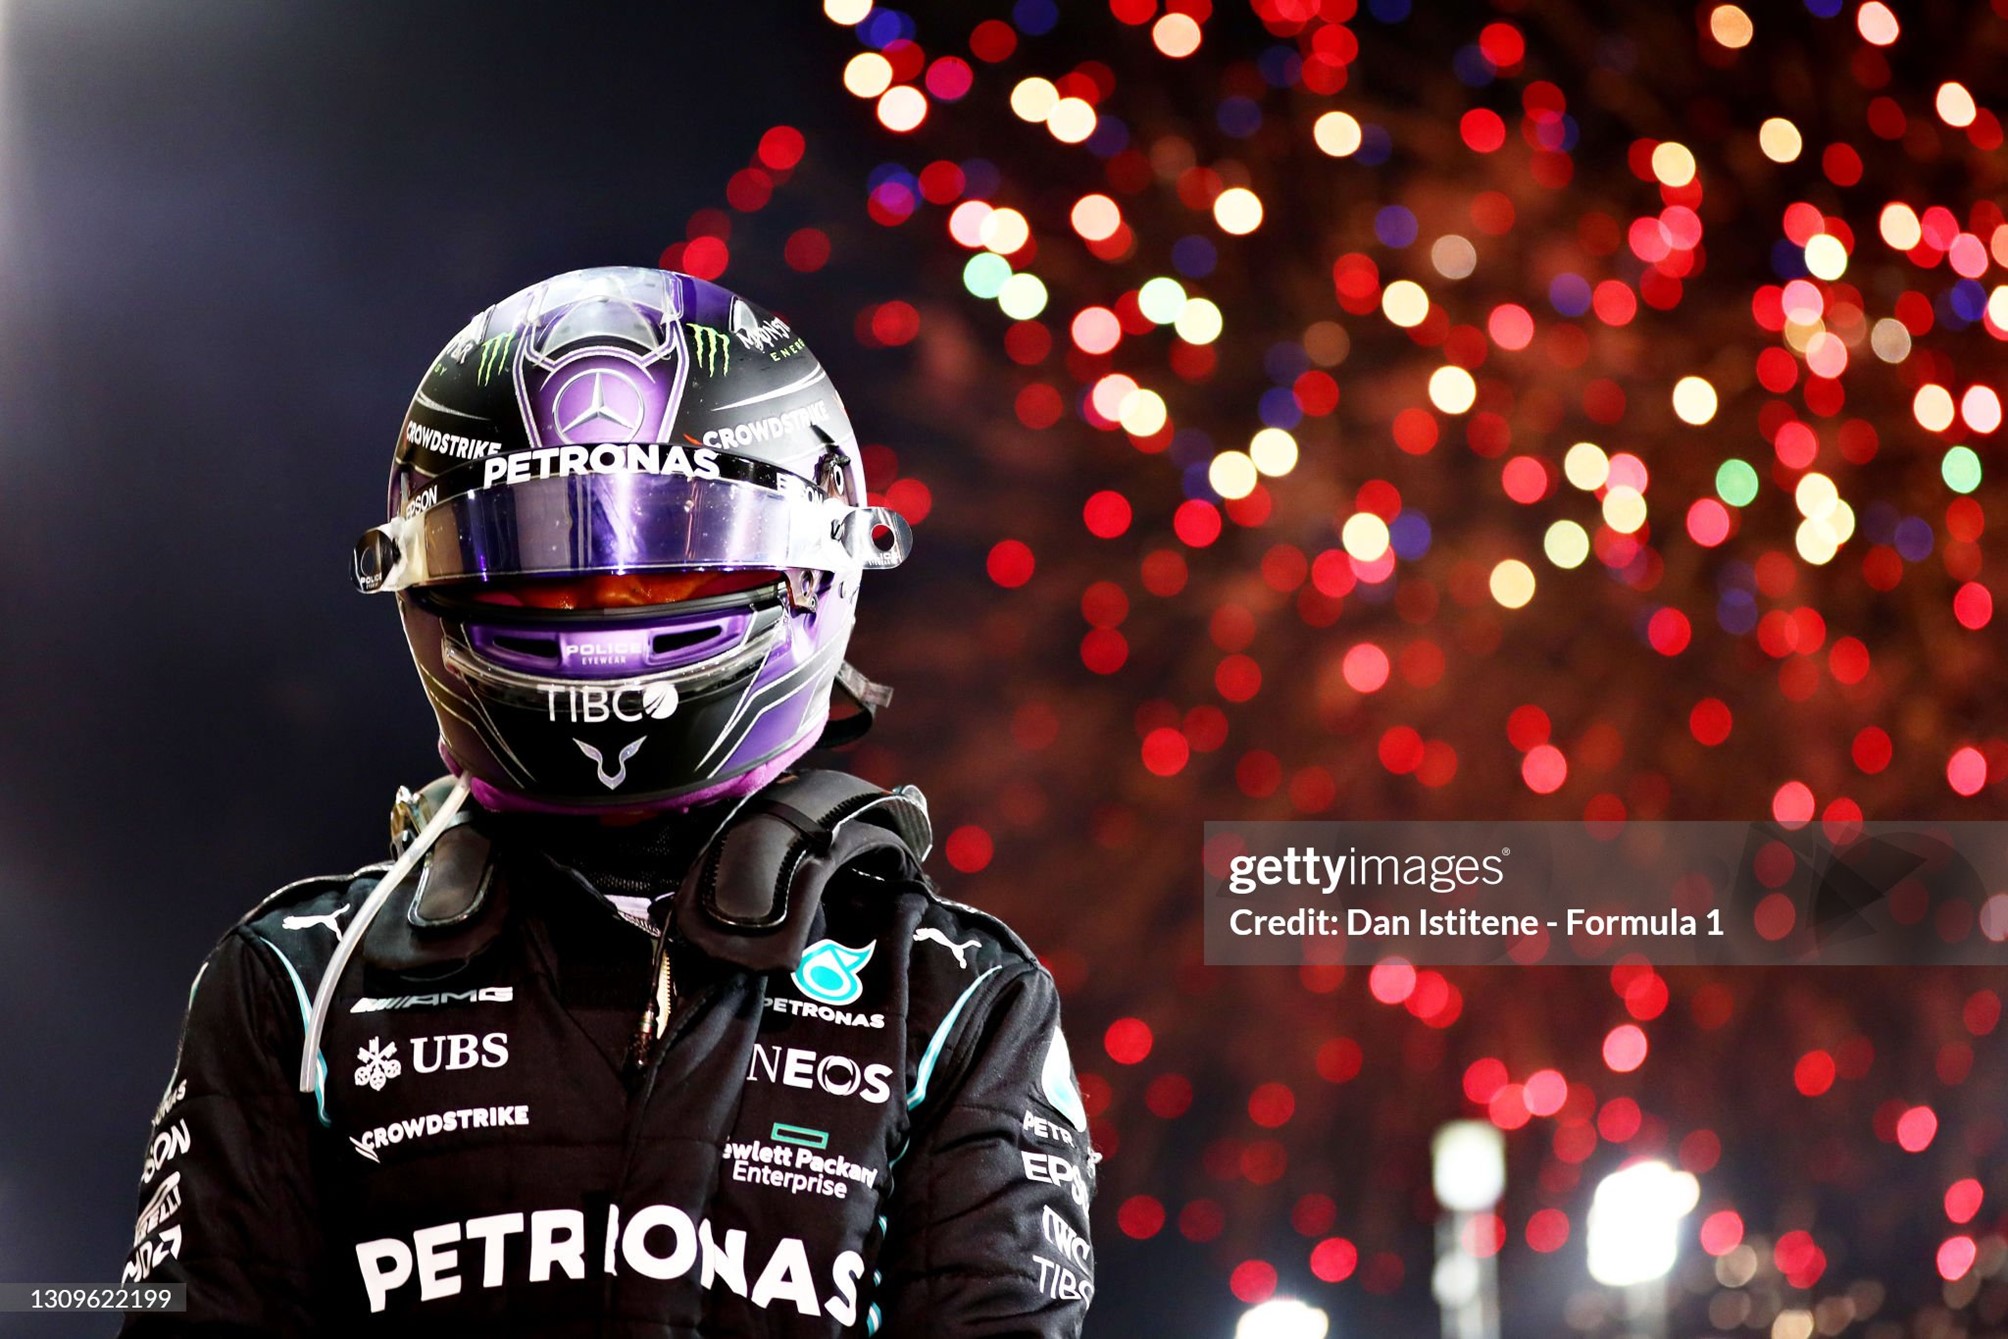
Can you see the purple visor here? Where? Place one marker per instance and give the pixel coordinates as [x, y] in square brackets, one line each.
[622, 507]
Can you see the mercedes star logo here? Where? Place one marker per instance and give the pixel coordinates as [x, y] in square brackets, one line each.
[598, 395]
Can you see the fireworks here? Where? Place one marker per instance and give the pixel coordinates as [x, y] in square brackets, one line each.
[1360, 412]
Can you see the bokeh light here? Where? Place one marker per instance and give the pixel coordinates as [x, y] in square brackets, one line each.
[1487, 444]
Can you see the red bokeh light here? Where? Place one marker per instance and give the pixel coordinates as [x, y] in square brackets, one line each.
[1141, 1217]
[1166, 751]
[1196, 523]
[1253, 1281]
[1340, 1060]
[1482, 130]
[1544, 769]
[1271, 1105]
[1107, 514]
[1814, 1074]
[1128, 1041]
[781, 148]
[1010, 563]
[1722, 1232]
[1391, 981]
[806, 250]
[1963, 1199]
[969, 848]
[1483, 1078]
[1548, 1231]
[1710, 721]
[1334, 1259]
[1916, 1128]
[1625, 1048]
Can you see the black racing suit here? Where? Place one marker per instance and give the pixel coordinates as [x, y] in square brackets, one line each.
[887, 1140]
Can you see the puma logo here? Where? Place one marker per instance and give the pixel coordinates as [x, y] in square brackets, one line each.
[929, 932]
[331, 920]
[611, 780]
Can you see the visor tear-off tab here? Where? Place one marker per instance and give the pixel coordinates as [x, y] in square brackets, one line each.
[869, 696]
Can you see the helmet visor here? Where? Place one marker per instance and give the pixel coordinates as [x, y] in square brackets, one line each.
[621, 508]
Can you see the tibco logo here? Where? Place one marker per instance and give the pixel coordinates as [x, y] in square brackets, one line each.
[659, 1242]
[590, 706]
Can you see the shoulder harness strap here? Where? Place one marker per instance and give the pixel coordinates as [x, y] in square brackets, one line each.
[448, 909]
[752, 894]
[749, 898]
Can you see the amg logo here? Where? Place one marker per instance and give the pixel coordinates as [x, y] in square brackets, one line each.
[484, 995]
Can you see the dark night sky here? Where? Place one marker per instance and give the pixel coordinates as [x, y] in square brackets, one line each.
[235, 234]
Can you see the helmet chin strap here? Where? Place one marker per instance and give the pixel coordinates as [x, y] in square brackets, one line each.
[324, 995]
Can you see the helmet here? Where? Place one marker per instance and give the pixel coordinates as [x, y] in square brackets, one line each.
[619, 421]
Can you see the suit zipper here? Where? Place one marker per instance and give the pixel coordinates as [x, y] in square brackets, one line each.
[661, 1002]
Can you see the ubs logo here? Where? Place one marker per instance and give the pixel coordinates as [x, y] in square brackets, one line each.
[460, 1050]
[429, 1055]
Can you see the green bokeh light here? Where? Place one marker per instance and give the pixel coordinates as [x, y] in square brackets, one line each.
[985, 274]
[1736, 482]
[1961, 468]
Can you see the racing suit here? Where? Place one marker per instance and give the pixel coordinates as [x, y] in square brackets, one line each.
[887, 1139]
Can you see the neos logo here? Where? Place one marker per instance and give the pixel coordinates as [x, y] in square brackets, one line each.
[837, 1075]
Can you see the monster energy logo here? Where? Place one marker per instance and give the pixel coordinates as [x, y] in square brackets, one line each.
[714, 351]
[494, 350]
